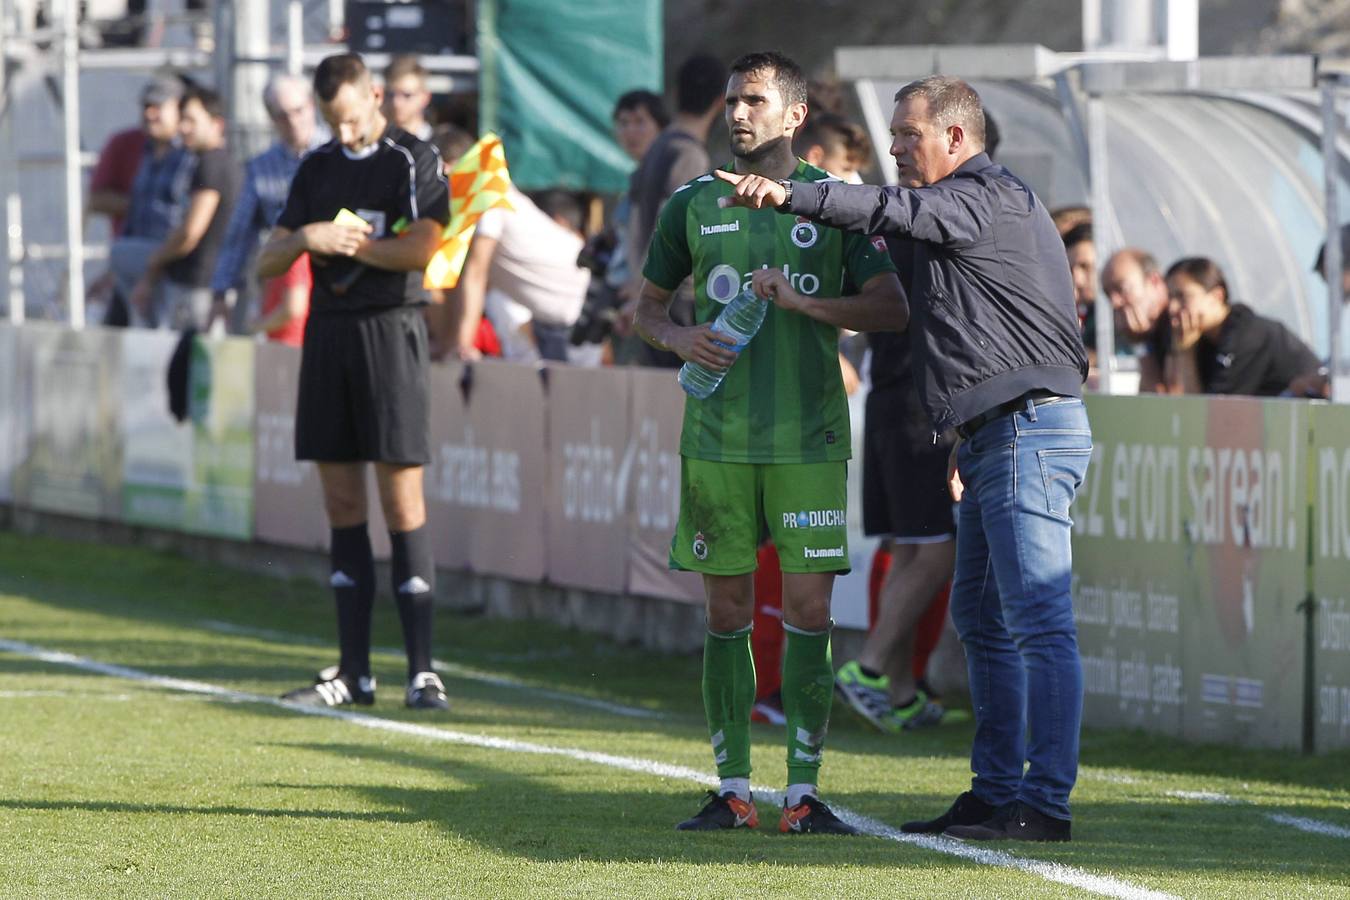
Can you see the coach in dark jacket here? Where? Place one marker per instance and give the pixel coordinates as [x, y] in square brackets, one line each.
[997, 354]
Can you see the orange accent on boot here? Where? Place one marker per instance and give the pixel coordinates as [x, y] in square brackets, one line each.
[746, 814]
[792, 817]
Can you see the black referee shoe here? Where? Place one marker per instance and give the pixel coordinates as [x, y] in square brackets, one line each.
[967, 810]
[337, 691]
[426, 691]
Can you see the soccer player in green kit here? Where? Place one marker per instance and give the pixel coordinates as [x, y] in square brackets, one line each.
[768, 449]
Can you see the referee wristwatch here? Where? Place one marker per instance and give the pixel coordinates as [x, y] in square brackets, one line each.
[787, 189]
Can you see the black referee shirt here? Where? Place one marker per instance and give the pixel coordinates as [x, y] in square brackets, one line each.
[393, 183]
[1253, 355]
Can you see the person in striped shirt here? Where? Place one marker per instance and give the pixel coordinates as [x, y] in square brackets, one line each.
[767, 451]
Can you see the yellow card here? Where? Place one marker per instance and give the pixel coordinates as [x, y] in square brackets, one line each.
[347, 217]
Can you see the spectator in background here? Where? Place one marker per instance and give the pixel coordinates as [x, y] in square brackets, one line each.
[639, 117]
[1066, 218]
[1318, 383]
[521, 271]
[1133, 282]
[1220, 347]
[677, 156]
[835, 144]
[175, 289]
[154, 202]
[1320, 266]
[1082, 253]
[110, 195]
[120, 158]
[267, 179]
[406, 97]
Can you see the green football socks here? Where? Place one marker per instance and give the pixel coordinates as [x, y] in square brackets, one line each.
[728, 695]
[808, 688]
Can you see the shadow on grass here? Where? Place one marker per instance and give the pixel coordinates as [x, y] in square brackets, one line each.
[130, 587]
[553, 823]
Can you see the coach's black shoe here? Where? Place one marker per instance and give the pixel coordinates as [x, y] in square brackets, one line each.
[427, 692]
[812, 817]
[720, 812]
[336, 691]
[967, 810]
[1016, 822]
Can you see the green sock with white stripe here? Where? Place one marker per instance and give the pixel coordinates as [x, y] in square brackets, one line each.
[808, 688]
[728, 695]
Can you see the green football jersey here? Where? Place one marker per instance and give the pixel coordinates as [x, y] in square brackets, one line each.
[783, 400]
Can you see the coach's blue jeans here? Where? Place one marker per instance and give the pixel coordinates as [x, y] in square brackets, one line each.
[1011, 604]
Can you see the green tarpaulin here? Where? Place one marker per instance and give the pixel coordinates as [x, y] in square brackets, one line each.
[551, 71]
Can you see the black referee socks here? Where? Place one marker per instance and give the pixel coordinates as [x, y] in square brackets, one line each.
[353, 580]
[414, 572]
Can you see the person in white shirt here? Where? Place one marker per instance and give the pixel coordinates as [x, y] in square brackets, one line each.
[521, 272]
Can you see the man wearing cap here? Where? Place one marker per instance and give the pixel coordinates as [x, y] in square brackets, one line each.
[153, 205]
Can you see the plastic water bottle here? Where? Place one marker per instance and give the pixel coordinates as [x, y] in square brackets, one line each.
[739, 321]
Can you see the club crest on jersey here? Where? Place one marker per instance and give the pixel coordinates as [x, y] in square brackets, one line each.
[700, 547]
[879, 244]
[804, 233]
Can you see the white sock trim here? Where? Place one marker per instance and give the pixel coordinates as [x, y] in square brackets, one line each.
[738, 786]
[798, 792]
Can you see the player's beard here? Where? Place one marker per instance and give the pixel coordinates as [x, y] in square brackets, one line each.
[758, 154]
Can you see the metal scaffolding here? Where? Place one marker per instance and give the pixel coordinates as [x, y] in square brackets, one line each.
[235, 43]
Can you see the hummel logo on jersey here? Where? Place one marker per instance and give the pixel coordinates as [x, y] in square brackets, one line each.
[414, 585]
[340, 579]
[706, 230]
[815, 518]
[824, 553]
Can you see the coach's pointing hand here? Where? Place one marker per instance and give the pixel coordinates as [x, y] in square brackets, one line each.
[751, 191]
[332, 239]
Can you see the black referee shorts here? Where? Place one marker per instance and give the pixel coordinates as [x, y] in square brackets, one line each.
[365, 388]
[905, 495]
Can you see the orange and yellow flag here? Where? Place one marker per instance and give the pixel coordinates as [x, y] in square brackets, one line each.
[478, 182]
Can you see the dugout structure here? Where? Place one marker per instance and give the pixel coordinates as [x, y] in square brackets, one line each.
[1243, 159]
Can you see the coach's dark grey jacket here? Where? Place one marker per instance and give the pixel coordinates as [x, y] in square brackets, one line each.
[992, 307]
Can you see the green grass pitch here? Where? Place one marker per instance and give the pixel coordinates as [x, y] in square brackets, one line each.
[119, 786]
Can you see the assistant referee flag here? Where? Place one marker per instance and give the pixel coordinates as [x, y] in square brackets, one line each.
[478, 182]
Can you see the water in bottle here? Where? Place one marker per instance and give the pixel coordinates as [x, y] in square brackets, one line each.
[738, 321]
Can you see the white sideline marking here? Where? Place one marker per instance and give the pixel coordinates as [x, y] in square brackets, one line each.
[1097, 884]
[452, 669]
[1311, 826]
[65, 695]
[1205, 797]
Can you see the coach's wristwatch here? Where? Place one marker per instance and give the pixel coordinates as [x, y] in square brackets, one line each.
[787, 189]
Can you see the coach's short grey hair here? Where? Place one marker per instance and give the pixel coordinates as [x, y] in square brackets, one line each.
[277, 82]
[951, 101]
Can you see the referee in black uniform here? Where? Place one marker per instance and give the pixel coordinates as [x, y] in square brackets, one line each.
[363, 375]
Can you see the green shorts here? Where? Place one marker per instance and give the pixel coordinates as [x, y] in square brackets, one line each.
[725, 508]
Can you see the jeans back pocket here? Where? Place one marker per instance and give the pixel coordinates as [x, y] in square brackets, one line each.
[1062, 472]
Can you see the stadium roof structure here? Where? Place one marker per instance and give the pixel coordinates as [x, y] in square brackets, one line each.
[1217, 156]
